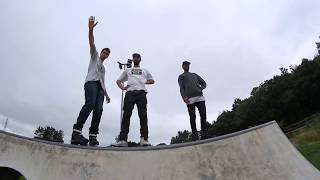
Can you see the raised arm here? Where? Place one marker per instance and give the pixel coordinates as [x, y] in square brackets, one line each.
[91, 25]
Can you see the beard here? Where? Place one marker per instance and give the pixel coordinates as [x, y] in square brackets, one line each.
[136, 63]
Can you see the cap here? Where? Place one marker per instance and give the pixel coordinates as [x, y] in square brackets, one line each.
[186, 62]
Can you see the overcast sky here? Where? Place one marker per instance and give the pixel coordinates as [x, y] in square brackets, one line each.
[234, 45]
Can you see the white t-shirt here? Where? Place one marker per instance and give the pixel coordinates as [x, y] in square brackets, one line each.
[193, 100]
[96, 70]
[136, 77]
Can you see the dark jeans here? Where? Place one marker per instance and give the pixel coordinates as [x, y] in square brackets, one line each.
[132, 98]
[94, 102]
[203, 116]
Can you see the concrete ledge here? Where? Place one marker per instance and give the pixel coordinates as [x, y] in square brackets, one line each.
[144, 148]
[258, 153]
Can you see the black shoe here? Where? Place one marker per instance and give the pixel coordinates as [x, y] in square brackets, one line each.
[78, 139]
[203, 136]
[93, 141]
[194, 136]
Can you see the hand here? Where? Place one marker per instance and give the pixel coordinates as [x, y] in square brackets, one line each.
[92, 22]
[108, 99]
[125, 88]
[149, 81]
[186, 100]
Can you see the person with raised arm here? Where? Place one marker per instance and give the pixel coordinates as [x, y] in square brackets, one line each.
[95, 91]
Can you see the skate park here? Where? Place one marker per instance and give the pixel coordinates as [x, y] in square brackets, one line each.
[237, 47]
[261, 152]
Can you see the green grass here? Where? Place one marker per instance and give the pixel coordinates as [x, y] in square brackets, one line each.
[307, 141]
[311, 151]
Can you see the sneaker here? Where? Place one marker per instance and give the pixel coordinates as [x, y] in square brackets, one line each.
[203, 136]
[121, 143]
[144, 142]
[195, 136]
[93, 140]
[78, 139]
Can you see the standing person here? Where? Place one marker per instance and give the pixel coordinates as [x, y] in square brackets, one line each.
[95, 91]
[137, 78]
[191, 86]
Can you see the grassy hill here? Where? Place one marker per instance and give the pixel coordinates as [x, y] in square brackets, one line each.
[307, 140]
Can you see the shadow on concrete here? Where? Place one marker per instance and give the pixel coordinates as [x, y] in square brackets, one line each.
[10, 174]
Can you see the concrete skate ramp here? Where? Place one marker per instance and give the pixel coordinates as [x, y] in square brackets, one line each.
[262, 152]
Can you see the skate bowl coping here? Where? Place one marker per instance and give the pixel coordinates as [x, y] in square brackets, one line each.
[261, 152]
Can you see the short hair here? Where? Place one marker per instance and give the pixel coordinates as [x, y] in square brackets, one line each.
[105, 49]
[136, 55]
[186, 63]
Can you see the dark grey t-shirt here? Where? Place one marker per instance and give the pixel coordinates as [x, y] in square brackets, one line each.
[191, 85]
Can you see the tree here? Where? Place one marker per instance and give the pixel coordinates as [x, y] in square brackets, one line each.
[49, 134]
[183, 136]
[161, 144]
[318, 46]
[236, 103]
[284, 70]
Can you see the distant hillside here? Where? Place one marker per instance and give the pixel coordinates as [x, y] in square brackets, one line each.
[286, 98]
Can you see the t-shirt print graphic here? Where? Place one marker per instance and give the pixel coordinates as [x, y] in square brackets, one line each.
[136, 71]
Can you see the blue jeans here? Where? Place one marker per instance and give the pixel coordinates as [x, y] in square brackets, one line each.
[94, 96]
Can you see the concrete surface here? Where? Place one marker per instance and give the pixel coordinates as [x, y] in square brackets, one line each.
[259, 153]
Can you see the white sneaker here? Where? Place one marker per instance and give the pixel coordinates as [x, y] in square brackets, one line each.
[120, 144]
[144, 142]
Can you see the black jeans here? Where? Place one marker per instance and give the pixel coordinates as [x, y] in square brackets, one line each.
[203, 116]
[132, 98]
[94, 102]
